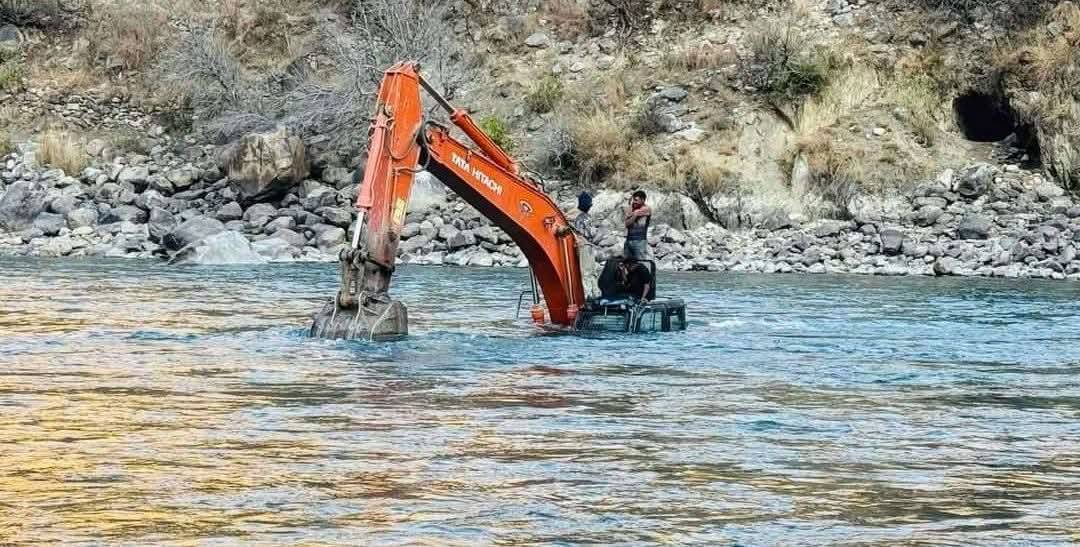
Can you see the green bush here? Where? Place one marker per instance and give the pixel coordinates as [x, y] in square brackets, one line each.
[782, 65]
[498, 131]
[545, 95]
[11, 75]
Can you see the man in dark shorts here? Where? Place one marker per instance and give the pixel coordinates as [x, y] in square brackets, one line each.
[635, 279]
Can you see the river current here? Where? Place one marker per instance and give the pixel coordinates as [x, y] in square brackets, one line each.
[143, 404]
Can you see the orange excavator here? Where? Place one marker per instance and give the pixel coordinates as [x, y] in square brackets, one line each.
[401, 144]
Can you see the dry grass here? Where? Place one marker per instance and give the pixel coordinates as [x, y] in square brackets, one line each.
[6, 146]
[569, 18]
[697, 57]
[63, 150]
[11, 74]
[126, 34]
[605, 149]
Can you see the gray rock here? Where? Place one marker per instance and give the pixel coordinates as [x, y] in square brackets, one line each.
[338, 177]
[259, 214]
[50, 224]
[892, 241]
[192, 231]
[446, 231]
[414, 245]
[461, 240]
[293, 238]
[21, 203]
[674, 93]
[10, 35]
[161, 222]
[278, 223]
[538, 40]
[229, 212]
[330, 240]
[975, 180]
[126, 213]
[946, 266]
[338, 216]
[134, 175]
[321, 197]
[150, 199]
[264, 166]
[928, 215]
[974, 227]
[486, 233]
[224, 247]
[81, 217]
[275, 250]
[830, 228]
[62, 205]
[181, 179]
[410, 230]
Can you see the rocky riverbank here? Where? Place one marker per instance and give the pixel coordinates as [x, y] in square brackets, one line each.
[981, 221]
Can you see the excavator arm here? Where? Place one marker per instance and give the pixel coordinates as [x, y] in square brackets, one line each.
[401, 143]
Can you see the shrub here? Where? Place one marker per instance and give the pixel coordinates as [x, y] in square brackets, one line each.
[781, 63]
[63, 150]
[545, 95]
[11, 74]
[603, 146]
[126, 34]
[499, 132]
[6, 146]
[33, 13]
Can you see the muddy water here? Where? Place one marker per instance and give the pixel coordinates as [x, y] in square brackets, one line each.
[146, 405]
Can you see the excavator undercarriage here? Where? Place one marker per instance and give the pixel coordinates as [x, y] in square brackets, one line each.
[402, 143]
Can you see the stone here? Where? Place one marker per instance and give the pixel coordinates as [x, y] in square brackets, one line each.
[278, 223]
[62, 205]
[229, 212]
[259, 214]
[975, 180]
[223, 247]
[461, 240]
[21, 204]
[81, 218]
[946, 266]
[129, 213]
[830, 228]
[928, 215]
[290, 236]
[338, 216]
[329, 241]
[160, 223]
[538, 40]
[150, 199]
[95, 147]
[410, 230]
[192, 231]
[974, 226]
[275, 250]
[50, 224]
[180, 179]
[446, 231]
[265, 166]
[135, 176]
[9, 34]
[892, 241]
[338, 177]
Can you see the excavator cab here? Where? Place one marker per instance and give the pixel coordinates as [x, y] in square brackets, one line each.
[615, 311]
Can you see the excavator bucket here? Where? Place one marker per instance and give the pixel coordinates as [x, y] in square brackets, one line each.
[376, 321]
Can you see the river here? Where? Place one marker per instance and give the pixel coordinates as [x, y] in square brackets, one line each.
[144, 404]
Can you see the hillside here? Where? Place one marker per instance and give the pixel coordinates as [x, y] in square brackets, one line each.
[761, 115]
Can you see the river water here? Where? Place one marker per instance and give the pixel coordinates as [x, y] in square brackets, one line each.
[141, 404]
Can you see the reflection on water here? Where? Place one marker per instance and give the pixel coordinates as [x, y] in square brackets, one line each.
[140, 404]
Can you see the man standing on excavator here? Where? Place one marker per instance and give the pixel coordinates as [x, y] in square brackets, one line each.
[637, 227]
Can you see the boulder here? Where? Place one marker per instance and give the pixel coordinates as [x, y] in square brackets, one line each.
[134, 175]
[264, 166]
[161, 222]
[974, 227]
[128, 213]
[338, 216]
[50, 224]
[82, 217]
[538, 40]
[338, 177]
[427, 193]
[21, 204]
[275, 250]
[461, 240]
[279, 223]
[330, 240]
[975, 180]
[62, 205]
[892, 241]
[150, 199]
[928, 215]
[192, 231]
[224, 247]
[946, 266]
[259, 214]
[229, 212]
[290, 237]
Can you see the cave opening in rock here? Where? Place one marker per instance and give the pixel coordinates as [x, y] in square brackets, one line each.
[983, 117]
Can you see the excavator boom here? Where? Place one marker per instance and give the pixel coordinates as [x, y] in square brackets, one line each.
[401, 143]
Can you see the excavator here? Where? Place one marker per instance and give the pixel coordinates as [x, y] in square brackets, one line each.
[402, 142]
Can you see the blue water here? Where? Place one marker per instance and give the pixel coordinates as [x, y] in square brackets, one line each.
[142, 404]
